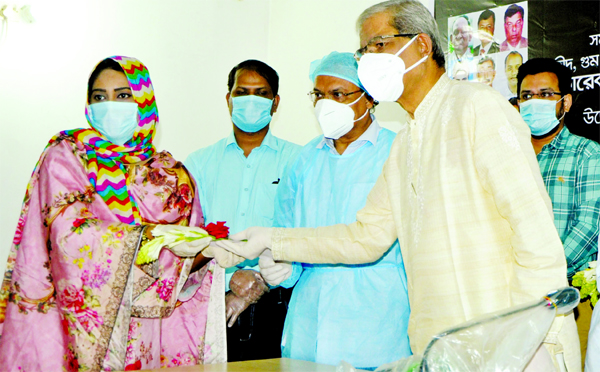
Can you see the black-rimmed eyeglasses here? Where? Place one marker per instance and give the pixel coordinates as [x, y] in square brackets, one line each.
[526, 96]
[377, 44]
[338, 96]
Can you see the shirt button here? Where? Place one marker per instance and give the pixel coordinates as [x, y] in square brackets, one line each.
[243, 214]
[247, 166]
[246, 189]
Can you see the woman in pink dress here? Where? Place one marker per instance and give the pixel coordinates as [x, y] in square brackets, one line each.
[73, 298]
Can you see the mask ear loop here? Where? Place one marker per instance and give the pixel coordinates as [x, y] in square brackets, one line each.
[363, 115]
[406, 46]
[564, 112]
[416, 64]
[356, 100]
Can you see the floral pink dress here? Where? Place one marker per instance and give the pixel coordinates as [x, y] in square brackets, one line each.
[73, 299]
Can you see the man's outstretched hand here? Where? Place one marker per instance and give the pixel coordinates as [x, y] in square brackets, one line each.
[249, 243]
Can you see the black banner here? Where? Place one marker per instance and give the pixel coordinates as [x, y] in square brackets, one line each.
[566, 31]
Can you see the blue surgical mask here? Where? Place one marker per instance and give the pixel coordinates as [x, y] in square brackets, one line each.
[540, 115]
[117, 121]
[251, 113]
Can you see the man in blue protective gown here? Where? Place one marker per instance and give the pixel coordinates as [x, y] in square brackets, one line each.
[356, 313]
[237, 179]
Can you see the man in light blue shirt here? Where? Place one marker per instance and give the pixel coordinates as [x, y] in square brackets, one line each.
[237, 178]
[356, 313]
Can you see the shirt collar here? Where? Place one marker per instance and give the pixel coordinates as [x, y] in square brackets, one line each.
[513, 48]
[369, 135]
[269, 141]
[487, 47]
[424, 107]
[561, 138]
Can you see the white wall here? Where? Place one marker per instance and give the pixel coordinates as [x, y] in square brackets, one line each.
[189, 48]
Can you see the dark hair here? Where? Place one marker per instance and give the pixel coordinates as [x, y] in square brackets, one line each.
[514, 101]
[106, 64]
[485, 15]
[512, 10]
[260, 68]
[538, 65]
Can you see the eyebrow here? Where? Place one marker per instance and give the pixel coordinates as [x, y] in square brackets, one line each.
[248, 89]
[264, 87]
[343, 90]
[541, 89]
[104, 90]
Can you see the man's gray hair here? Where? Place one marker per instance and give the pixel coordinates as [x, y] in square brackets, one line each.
[408, 17]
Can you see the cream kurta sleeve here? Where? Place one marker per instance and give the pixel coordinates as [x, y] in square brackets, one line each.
[363, 241]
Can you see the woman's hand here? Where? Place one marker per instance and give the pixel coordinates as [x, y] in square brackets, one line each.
[183, 241]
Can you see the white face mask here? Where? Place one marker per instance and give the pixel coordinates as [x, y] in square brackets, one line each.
[117, 121]
[382, 74]
[336, 119]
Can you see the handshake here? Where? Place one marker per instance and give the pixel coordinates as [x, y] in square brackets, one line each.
[186, 241]
[255, 242]
[247, 286]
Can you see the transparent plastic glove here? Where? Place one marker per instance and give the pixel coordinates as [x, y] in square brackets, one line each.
[234, 306]
[257, 240]
[224, 258]
[273, 272]
[248, 285]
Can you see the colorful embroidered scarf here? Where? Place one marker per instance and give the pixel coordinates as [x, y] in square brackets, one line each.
[106, 161]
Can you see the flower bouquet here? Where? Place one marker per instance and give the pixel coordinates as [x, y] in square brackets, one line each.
[585, 280]
[171, 236]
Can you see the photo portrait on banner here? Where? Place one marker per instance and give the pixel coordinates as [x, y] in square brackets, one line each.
[500, 37]
[488, 46]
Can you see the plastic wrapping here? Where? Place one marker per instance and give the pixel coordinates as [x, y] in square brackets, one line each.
[504, 341]
[234, 306]
[247, 286]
